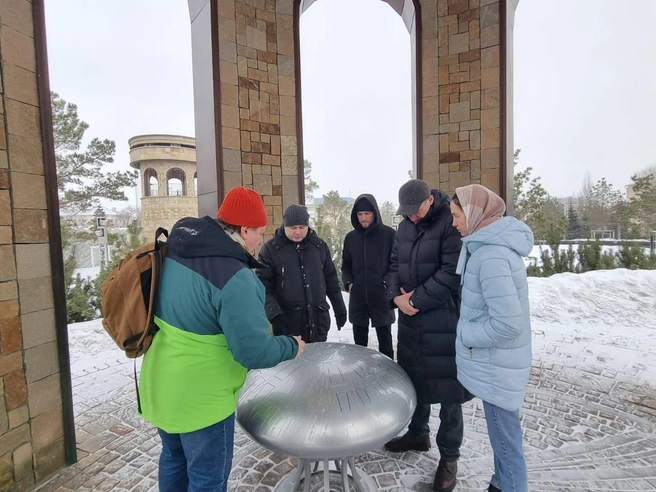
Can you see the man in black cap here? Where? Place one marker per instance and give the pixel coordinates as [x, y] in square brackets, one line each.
[424, 286]
[298, 273]
[365, 262]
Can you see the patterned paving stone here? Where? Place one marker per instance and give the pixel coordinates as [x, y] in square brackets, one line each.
[586, 427]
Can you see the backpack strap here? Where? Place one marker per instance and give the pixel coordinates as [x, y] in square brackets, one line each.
[152, 327]
[158, 233]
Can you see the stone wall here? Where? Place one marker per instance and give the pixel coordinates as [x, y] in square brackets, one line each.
[31, 421]
[164, 211]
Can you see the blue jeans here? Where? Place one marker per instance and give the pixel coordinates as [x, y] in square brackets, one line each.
[198, 461]
[506, 439]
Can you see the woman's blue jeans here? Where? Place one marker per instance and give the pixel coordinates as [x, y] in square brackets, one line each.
[198, 461]
[505, 433]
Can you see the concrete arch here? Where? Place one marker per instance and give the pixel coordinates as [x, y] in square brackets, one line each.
[150, 188]
[247, 96]
[172, 188]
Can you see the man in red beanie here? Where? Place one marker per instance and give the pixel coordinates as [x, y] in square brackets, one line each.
[212, 329]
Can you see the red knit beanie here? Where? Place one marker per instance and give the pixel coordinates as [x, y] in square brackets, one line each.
[242, 207]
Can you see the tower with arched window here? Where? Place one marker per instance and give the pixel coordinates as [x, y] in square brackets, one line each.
[167, 171]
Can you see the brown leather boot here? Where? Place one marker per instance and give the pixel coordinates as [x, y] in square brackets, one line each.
[408, 442]
[445, 477]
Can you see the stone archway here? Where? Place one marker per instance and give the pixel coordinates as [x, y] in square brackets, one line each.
[247, 96]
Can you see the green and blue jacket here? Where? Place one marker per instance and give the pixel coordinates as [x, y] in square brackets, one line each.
[212, 329]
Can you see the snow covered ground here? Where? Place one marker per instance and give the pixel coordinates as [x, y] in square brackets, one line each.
[589, 416]
[613, 311]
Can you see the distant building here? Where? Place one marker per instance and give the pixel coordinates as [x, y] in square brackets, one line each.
[167, 171]
[630, 193]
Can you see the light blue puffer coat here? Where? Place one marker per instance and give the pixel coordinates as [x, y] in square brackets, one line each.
[493, 345]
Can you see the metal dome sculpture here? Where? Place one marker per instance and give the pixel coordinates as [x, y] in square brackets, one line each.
[335, 402]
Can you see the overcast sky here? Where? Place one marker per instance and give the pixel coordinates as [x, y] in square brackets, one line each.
[584, 78]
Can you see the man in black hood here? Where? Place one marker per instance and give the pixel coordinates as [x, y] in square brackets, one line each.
[298, 273]
[365, 262]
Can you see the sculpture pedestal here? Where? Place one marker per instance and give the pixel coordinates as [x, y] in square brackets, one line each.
[334, 476]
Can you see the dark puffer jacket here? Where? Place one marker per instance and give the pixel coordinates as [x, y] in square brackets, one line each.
[297, 278]
[365, 263]
[424, 259]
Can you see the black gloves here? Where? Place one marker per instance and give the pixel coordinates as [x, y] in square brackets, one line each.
[341, 320]
[279, 325]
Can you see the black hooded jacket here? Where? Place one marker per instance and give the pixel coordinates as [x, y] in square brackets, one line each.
[424, 260]
[365, 263]
[297, 278]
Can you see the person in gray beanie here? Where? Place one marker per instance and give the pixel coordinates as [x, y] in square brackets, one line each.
[298, 273]
[423, 284]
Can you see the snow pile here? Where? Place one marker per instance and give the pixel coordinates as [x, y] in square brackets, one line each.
[612, 297]
[92, 349]
[607, 315]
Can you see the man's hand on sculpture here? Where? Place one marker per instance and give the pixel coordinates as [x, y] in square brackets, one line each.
[301, 346]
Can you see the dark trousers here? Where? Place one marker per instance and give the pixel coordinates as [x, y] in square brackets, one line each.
[449, 435]
[361, 337]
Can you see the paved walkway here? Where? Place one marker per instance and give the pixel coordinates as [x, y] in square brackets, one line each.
[589, 425]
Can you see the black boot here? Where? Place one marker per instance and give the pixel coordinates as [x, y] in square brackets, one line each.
[408, 442]
[445, 477]
[492, 488]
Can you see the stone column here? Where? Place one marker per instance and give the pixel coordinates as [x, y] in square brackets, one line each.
[31, 415]
[465, 131]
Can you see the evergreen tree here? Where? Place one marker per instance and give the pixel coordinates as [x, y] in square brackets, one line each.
[574, 229]
[387, 213]
[82, 181]
[81, 176]
[602, 205]
[639, 215]
[332, 223]
[310, 185]
[532, 204]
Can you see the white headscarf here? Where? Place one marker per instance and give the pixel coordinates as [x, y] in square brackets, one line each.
[481, 206]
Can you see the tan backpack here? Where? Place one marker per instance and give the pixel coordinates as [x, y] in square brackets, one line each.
[129, 296]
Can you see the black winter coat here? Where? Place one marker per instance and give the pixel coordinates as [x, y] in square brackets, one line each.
[297, 278]
[365, 263]
[424, 259]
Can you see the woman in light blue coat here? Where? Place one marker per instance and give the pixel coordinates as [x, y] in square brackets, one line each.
[493, 344]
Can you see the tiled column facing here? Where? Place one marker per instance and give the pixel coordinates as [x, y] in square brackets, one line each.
[258, 100]
[461, 82]
[31, 428]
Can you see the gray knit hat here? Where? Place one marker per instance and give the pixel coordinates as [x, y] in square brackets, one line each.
[295, 215]
[411, 196]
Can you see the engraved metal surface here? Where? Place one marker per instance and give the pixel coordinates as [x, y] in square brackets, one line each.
[335, 401]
